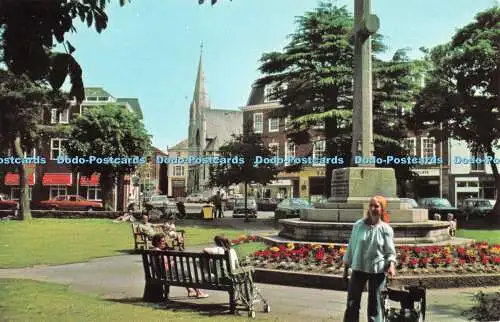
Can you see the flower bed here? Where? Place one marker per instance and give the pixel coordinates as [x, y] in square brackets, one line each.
[477, 258]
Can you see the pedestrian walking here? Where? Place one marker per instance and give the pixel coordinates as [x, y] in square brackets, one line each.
[370, 254]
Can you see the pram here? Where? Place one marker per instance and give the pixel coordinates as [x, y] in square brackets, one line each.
[412, 300]
[246, 293]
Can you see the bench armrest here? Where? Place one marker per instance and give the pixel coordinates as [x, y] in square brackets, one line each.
[244, 270]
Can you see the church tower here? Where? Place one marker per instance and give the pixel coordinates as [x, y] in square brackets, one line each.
[197, 131]
[199, 102]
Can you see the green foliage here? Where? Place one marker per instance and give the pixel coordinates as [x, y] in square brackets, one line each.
[28, 32]
[107, 131]
[21, 104]
[487, 307]
[248, 147]
[464, 86]
[313, 79]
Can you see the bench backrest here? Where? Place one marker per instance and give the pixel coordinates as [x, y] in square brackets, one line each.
[187, 268]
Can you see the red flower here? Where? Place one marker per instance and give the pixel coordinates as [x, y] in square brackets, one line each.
[485, 260]
[320, 256]
[448, 260]
[413, 262]
[424, 261]
[496, 260]
[461, 262]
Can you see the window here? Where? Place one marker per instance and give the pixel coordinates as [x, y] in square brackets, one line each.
[57, 191]
[15, 193]
[178, 171]
[475, 166]
[410, 145]
[64, 116]
[53, 115]
[94, 193]
[268, 91]
[91, 98]
[56, 148]
[257, 123]
[428, 147]
[275, 148]
[274, 124]
[319, 148]
[289, 151]
[103, 98]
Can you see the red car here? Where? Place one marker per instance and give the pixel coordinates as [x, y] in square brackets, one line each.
[6, 203]
[70, 202]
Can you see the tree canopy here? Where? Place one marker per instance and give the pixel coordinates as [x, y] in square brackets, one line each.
[461, 98]
[103, 132]
[313, 77]
[29, 29]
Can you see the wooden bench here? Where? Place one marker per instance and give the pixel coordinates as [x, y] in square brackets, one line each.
[142, 241]
[186, 269]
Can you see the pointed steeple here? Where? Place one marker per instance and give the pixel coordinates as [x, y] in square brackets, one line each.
[200, 96]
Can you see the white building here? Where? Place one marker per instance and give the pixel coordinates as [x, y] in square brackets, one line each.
[469, 179]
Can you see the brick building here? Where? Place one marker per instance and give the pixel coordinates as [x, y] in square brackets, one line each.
[49, 180]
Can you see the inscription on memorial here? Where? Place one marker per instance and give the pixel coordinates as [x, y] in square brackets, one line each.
[340, 185]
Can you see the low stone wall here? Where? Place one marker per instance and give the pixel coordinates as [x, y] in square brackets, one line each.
[335, 282]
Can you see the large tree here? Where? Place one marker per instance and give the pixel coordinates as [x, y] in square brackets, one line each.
[249, 148]
[314, 83]
[21, 104]
[461, 98]
[103, 132]
[28, 30]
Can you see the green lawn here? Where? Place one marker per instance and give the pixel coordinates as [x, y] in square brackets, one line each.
[490, 236]
[25, 300]
[246, 249]
[62, 241]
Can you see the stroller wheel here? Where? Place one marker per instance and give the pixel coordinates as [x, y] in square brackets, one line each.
[267, 308]
[251, 314]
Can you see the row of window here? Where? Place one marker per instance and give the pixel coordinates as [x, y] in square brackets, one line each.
[93, 192]
[273, 123]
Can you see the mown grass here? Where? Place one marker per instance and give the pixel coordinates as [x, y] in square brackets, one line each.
[26, 300]
[62, 241]
[489, 236]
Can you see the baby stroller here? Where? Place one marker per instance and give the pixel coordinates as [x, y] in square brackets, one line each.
[246, 293]
[412, 300]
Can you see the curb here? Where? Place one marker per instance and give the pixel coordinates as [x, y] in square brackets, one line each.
[335, 282]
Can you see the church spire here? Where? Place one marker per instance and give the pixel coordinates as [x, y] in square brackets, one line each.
[200, 96]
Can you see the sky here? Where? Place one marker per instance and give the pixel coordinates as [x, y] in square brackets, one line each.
[150, 49]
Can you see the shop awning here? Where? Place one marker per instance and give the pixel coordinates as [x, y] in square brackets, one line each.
[57, 179]
[12, 179]
[93, 181]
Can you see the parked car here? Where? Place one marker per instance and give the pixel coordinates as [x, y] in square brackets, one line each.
[8, 204]
[239, 207]
[267, 204]
[442, 207]
[70, 202]
[290, 208]
[196, 197]
[412, 202]
[475, 207]
[229, 203]
[161, 202]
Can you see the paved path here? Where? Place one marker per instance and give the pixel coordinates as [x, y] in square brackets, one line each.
[121, 278]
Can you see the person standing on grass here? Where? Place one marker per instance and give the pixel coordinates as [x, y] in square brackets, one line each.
[371, 254]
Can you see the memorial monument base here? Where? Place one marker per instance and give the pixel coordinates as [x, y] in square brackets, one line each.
[352, 189]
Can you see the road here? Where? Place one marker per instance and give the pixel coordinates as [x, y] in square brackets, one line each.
[196, 208]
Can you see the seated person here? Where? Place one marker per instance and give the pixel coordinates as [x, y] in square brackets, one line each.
[170, 230]
[146, 227]
[159, 243]
[125, 217]
[222, 244]
[453, 225]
